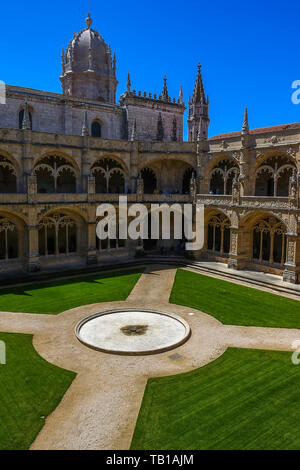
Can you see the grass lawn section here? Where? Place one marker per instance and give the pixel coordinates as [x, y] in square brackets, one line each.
[246, 399]
[233, 304]
[57, 296]
[30, 387]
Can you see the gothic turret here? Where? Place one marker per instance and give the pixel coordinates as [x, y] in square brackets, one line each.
[198, 110]
[88, 69]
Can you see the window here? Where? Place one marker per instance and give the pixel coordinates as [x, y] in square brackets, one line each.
[96, 129]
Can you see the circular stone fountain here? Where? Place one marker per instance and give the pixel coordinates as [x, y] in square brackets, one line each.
[132, 331]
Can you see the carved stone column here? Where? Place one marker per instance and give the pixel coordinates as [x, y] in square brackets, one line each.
[91, 188]
[33, 261]
[237, 255]
[31, 189]
[291, 272]
[91, 227]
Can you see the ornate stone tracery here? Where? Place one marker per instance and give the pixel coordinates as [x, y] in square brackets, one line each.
[57, 234]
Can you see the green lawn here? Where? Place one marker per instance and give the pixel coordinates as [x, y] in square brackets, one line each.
[233, 304]
[30, 389]
[57, 296]
[246, 399]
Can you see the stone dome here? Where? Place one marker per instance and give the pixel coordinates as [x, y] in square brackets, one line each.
[88, 69]
[87, 50]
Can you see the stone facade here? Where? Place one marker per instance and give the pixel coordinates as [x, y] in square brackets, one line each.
[63, 154]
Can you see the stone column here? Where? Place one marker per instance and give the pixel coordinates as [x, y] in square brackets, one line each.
[91, 248]
[31, 189]
[238, 252]
[291, 271]
[133, 166]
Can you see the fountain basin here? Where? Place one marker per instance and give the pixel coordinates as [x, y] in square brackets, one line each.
[132, 331]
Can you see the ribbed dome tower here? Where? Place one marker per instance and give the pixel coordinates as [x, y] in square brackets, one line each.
[88, 69]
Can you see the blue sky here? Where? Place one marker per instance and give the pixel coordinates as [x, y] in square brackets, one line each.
[249, 51]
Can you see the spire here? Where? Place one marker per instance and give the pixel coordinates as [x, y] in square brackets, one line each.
[26, 123]
[128, 85]
[180, 95]
[199, 95]
[165, 94]
[245, 128]
[88, 21]
[85, 130]
[133, 133]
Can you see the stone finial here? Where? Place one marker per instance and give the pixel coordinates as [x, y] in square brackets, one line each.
[180, 95]
[85, 130]
[26, 123]
[88, 20]
[133, 132]
[245, 128]
[128, 84]
[165, 94]
[198, 94]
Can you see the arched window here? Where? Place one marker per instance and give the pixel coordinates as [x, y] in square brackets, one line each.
[96, 129]
[57, 235]
[55, 175]
[149, 178]
[186, 180]
[272, 176]
[110, 243]
[109, 176]
[21, 117]
[269, 240]
[218, 234]
[8, 239]
[222, 176]
[8, 179]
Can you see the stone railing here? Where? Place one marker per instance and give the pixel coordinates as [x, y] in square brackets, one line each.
[266, 202]
[13, 198]
[214, 199]
[42, 198]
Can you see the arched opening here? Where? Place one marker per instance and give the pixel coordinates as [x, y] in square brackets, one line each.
[111, 243]
[217, 182]
[283, 179]
[21, 117]
[264, 183]
[149, 179]
[8, 178]
[57, 235]
[186, 180]
[218, 234]
[269, 241]
[96, 129]
[55, 175]
[272, 176]
[8, 239]
[222, 176]
[109, 176]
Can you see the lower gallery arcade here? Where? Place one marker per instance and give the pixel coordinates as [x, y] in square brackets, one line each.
[64, 236]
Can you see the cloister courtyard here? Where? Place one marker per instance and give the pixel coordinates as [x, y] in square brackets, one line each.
[230, 385]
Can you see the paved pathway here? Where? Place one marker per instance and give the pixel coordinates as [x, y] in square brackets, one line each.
[100, 409]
